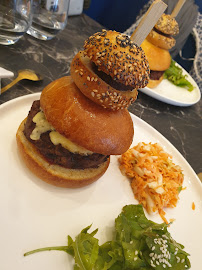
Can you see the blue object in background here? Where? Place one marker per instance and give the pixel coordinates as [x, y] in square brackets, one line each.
[118, 14]
[115, 14]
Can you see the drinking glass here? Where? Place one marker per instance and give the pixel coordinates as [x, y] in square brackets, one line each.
[15, 19]
[49, 18]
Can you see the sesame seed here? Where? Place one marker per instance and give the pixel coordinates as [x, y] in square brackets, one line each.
[92, 94]
[178, 259]
[88, 78]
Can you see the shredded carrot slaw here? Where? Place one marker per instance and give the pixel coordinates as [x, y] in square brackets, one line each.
[155, 180]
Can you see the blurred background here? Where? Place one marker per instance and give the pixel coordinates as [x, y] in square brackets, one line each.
[121, 15]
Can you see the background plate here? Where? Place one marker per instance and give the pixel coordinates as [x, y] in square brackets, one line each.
[174, 95]
[35, 214]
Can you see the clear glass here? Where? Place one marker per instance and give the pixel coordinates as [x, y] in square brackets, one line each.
[49, 18]
[15, 20]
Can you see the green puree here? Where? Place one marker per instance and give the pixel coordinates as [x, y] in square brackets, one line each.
[175, 76]
[138, 243]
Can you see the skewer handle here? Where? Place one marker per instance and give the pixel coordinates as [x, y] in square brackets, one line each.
[148, 21]
[177, 8]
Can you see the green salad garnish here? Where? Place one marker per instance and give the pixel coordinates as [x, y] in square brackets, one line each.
[138, 243]
[175, 76]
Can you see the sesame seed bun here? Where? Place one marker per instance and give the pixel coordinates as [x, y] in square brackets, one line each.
[167, 25]
[84, 122]
[116, 55]
[96, 89]
[159, 59]
[161, 41]
[55, 174]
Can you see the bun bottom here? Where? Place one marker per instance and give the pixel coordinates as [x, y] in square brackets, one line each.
[161, 41]
[94, 88]
[154, 83]
[55, 174]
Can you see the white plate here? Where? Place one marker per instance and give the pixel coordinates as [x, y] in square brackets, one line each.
[174, 95]
[35, 214]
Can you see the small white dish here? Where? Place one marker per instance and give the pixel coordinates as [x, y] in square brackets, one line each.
[174, 95]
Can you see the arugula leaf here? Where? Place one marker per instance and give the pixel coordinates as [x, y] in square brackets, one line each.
[175, 76]
[85, 249]
[139, 244]
[110, 257]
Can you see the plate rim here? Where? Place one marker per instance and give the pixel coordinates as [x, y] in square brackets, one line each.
[167, 100]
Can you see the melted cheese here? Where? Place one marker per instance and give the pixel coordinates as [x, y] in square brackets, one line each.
[42, 126]
[57, 138]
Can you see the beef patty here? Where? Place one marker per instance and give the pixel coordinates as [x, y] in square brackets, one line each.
[161, 33]
[108, 79]
[56, 154]
[155, 75]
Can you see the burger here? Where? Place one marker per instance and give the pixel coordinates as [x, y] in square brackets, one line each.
[157, 45]
[82, 119]
[162, 33]
[110, 69]
[66, 139]
[159, 60]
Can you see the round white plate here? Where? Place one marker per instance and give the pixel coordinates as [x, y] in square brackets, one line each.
[174, 95]
[35, 214]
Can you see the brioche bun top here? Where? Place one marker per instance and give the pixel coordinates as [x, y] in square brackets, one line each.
[159, 59]
[167, 25]
[116, 55]
[84, 122]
